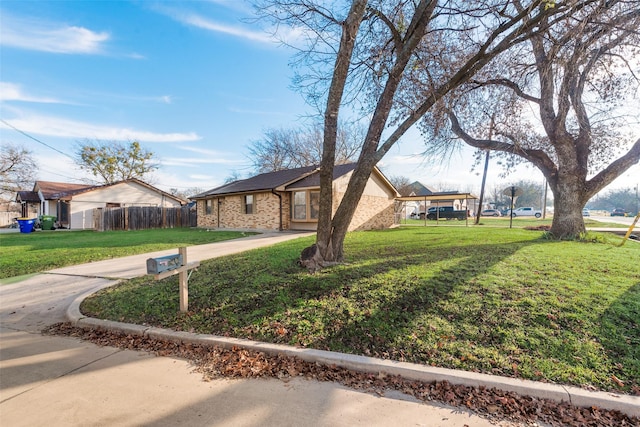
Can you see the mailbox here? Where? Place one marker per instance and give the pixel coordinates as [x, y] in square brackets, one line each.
[165, 263]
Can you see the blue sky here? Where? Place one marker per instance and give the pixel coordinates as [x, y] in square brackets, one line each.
[193, 81]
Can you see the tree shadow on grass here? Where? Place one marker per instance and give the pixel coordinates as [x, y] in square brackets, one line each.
[422, 311]
[438, 302]
[366, 307]
[620, 335]
[356, 308]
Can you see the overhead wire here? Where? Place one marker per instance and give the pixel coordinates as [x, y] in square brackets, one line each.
[35, 139]
[58, 151]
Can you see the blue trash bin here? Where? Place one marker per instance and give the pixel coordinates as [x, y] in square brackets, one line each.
[26, 224]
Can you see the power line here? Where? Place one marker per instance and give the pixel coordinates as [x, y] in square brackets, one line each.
[35, 139]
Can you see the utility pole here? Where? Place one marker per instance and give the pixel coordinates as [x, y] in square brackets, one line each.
[544, 200]
[484, 175]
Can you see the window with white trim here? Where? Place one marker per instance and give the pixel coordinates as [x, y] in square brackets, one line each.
[306, 205]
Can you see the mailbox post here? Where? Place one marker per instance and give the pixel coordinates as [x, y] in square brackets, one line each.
[184, 283]
[170, 265]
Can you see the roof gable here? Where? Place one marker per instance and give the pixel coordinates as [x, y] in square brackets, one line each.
[283, 180]
[313, 179]
[61, 190]
[261, 182]
[418, 189]
[56, 190]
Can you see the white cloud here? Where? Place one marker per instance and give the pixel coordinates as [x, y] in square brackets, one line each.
[204, 156]
[191, 161]
[197, 177]
[33, 34]
[195, 20]
[55, 167]
[200, 150]
[14, 92]
[65, 128]
[234, 29]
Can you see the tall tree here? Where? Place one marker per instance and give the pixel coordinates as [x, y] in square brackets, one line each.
[397, 59]
[623, 198]
[581, 77]
[293, 148]
[402, 184]
[17, 170]
[532, 194]
[114, 161]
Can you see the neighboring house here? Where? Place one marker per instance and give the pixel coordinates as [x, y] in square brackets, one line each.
[290, 199]
[73, 204]
[416, 188]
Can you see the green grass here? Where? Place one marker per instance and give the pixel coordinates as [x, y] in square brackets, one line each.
[484, 299]
[518, 222]
[22, 253]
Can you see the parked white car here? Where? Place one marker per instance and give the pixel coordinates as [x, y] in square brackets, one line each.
[526, 211]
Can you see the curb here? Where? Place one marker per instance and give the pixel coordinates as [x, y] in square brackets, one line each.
[629, 405]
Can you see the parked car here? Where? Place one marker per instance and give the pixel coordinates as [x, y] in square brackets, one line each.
[446, 212]
[490, 212]
[618, 212]
[585, 212]
[526, 211]
[420, 215]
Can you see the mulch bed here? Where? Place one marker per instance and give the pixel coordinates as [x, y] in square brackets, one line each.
[215, 362]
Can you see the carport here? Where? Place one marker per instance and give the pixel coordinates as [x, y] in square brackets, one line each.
[435, 200]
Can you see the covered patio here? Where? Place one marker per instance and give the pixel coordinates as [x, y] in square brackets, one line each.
[459, 201]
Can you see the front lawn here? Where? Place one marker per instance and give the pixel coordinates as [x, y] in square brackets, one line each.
[494, 300]
[518, 222]
[27, 253]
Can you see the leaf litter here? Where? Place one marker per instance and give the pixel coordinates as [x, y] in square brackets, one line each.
[216, 362]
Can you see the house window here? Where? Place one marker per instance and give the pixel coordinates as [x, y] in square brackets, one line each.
[306, 205]
[248, 204]
[208, 207]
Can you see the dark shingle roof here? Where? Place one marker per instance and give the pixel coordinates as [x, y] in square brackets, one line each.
[418, 189]
[56, 190]
[27, 196]
[313, 180]
[296, 178]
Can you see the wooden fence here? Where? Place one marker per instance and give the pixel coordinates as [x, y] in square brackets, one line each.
[143, 217]
[7, 218]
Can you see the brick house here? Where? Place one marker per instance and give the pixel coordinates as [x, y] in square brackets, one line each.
[289, 200]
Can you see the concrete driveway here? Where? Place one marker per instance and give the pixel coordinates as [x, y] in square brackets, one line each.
[60, 381]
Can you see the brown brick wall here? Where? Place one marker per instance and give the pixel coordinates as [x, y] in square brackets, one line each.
[231, 211]
[373, 212]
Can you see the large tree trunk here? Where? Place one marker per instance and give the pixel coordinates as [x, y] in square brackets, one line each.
[568, 201]
[348, 206]
[324, 238]
[331, 244]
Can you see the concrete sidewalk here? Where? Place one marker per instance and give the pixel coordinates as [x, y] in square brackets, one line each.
[60, 381]
[77, 383]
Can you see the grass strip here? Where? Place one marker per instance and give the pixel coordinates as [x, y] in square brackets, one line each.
[492, 300]
[27, 253]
